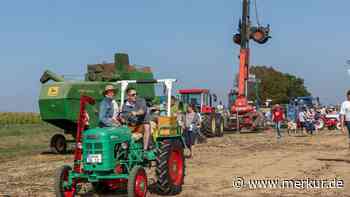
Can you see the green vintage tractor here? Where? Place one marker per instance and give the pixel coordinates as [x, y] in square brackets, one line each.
[113, 159]
[59, 97]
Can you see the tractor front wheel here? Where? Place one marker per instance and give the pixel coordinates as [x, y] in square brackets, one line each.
[61, 183]
[170, 167]
[58, 144]
[137, 183]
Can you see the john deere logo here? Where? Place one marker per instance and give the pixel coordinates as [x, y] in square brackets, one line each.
[53, 91]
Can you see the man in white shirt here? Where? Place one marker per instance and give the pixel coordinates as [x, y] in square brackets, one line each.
[345, 114]
[302, 118]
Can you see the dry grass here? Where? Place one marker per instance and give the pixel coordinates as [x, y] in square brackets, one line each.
[8, 118]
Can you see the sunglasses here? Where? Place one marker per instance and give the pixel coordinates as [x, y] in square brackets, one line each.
[135, 94]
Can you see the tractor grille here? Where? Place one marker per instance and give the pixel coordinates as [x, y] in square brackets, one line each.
[94, 148]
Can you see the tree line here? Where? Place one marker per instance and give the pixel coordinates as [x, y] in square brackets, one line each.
[275, 85]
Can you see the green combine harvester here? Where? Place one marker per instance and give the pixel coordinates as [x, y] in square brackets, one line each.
[59, 99]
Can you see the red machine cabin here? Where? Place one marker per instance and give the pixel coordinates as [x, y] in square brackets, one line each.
[201, 98]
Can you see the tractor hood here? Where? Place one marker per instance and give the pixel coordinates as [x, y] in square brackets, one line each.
[102, 143]
[107, 133]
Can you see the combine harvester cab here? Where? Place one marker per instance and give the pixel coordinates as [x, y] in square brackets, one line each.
[59, 99]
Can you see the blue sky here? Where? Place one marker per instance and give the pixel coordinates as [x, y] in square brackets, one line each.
[187, 39]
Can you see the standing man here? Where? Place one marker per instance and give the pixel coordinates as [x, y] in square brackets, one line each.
[277, 117]
[108, 108]
[345, 115]
[140, 115]
[302, 119]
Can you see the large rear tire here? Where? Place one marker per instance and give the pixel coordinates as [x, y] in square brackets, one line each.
[61, 180]
[137, 183]
[208, 127]
[170, 167]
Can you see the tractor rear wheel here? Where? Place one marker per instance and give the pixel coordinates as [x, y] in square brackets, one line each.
[137, 183]
[208, 127]
[170, 167]
[58, 144]
[61, 183]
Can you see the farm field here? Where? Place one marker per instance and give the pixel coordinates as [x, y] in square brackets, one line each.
[27, 168]
[19, 140]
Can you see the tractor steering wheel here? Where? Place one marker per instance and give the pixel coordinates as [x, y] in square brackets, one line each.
[125, 118]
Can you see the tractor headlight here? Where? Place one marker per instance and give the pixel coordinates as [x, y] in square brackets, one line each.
[124, 145]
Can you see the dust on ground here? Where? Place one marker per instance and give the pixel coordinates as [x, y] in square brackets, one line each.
[216, 165]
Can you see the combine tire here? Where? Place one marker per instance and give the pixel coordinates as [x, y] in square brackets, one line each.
[219, 126]
[61, 179]
[58, 144]
[137, 183]
[170, 167]
[209, 125]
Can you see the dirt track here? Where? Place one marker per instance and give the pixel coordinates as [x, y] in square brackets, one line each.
[215, 165]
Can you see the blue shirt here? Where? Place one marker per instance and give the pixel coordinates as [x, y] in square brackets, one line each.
[106, 112]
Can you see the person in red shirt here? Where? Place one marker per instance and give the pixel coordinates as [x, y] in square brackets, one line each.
[277, 117]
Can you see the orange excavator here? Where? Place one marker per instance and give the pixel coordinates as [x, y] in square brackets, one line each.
[241, 112]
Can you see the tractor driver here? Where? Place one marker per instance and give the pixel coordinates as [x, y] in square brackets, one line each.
[109, 108]
[138, 110]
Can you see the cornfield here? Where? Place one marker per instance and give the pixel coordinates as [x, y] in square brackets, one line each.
[7, 118]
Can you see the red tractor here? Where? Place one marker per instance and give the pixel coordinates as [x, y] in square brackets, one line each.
[212, 120]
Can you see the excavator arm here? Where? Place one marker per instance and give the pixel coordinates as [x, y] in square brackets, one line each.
[260, 35]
